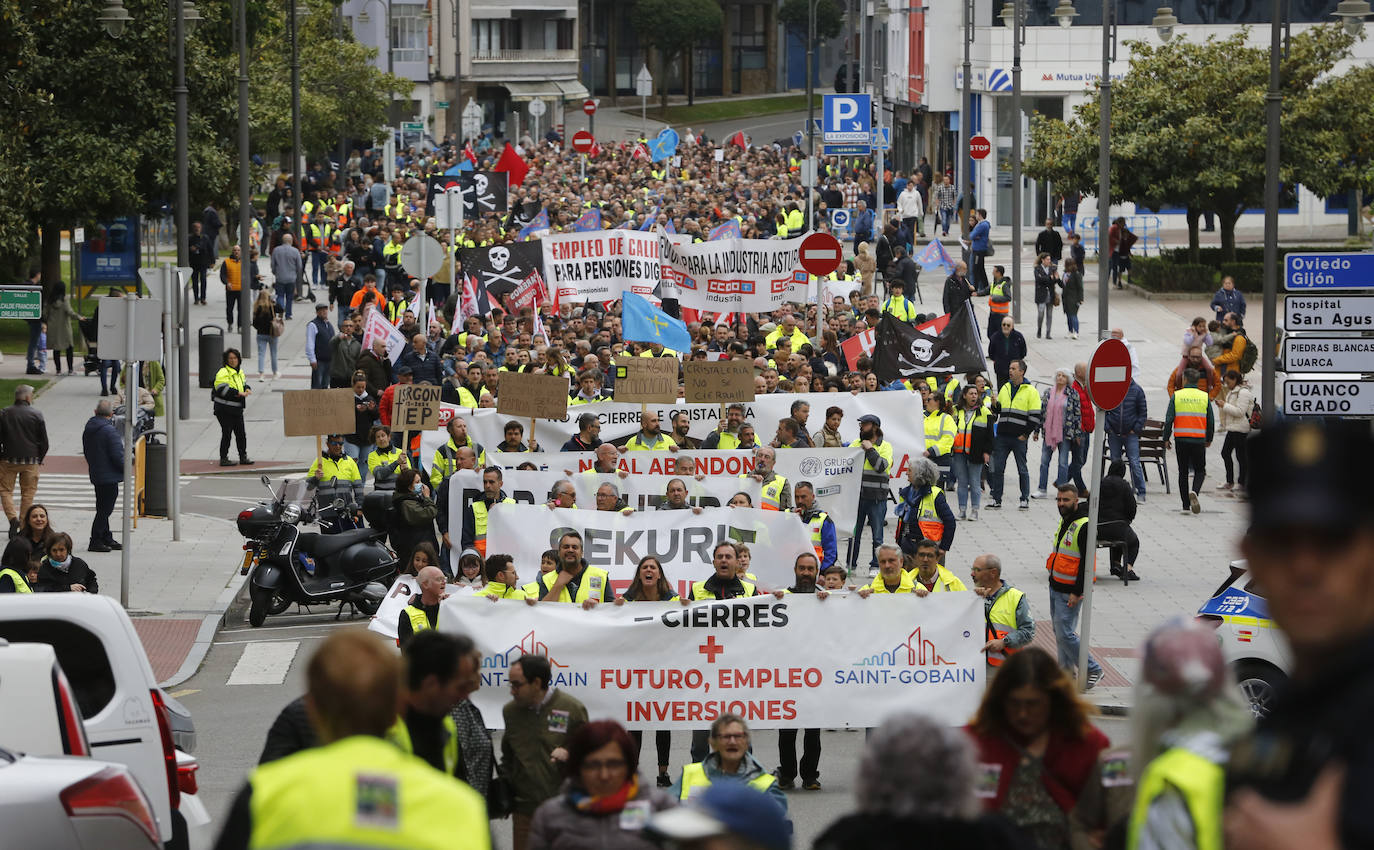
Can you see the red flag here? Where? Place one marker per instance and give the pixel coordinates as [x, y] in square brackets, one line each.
[640, 152]
[595, 151]
[738, 139]
[470, 154]
[511, 163]
[857, 345]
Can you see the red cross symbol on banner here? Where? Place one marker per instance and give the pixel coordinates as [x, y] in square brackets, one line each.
[710, 649]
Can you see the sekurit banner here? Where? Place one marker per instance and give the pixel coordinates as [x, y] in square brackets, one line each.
[661, 665]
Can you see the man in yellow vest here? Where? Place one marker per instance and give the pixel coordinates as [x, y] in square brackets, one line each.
[442, 670]
[821, 526]
[650, 437]
[574, 580]
[890, 578]
[929, 575]
[475, 516]
[776, 496]
[873, 488]
[728, 761]
[726, 435]
[1191, 723]
[503, 580]
[1191, 423]
[423, 610]
[1006, 610]
[355, 789]
[335, 475]
[1067, 569]
[788, 329]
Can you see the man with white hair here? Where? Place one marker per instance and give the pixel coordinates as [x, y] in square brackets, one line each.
[1010, 626]
[423, 611]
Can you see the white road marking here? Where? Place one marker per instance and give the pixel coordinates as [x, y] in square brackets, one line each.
[264, 663]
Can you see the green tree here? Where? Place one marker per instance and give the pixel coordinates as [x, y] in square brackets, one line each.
[1188, 126]
[673, 28]
[829, 18]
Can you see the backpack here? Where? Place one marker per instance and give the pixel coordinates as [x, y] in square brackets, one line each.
[1249, 356]
[1256, 416]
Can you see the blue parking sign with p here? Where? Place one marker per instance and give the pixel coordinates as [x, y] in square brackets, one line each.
[847, 118]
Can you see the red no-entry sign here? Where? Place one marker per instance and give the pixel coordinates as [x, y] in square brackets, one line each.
[1109, 374]
[979, 147]
[589, 106]
[582, 141]
[820, 254]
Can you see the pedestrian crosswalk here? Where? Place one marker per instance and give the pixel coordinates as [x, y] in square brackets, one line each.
[58, 490]
[264, 663]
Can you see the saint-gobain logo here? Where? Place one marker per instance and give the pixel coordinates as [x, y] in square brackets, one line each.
[812, 467]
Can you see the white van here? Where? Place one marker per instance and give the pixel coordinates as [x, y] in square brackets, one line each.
[126, 716]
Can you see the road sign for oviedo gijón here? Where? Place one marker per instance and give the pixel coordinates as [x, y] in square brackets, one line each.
[1328, 271]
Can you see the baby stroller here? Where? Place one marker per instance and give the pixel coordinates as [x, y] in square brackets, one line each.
[89, 329]
[143, 423]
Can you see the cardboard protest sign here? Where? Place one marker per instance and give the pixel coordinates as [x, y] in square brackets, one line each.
[648, 380]
[416, 407]
[718, 383]
[535, 396]
[311, 413]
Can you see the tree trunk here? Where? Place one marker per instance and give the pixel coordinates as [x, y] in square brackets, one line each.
[1228, 221]
[663, 82]
[52, 256]
[687, 74]
[1194, 243]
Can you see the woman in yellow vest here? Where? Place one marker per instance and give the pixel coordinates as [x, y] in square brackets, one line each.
[16, 570]
[972, 448]
[940, 431]
[924, 512]
[651, 585]
[728, 761]
[230, 396]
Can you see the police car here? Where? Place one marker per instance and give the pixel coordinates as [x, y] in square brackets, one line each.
[1253, 645]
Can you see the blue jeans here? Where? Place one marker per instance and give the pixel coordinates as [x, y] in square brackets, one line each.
[1071, 319]
[319, 376]
[1131, 443]
[946, 217]
[1078, 455]
[35, 331]
[359, 455]
[1062, 473]
[1065, 621]
[968, 472]
[265, 340]
[874, 514]
[317, 261]
[1069, 220]
[284, 297]
[1001, 447]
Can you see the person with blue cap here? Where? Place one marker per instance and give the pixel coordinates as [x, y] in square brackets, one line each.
[726, 816]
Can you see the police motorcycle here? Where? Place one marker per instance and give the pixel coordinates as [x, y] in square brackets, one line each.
[351, 566]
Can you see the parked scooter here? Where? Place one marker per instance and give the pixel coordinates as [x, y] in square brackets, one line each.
[290, 566]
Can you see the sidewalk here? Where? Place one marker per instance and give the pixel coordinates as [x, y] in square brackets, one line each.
[179, 591]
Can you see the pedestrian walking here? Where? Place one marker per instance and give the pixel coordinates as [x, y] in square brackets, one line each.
[1018, 416]
[541, 721]
[58, 315]
[104, 453]
[23, 447]
[980, 245]
[268, 325]
[288, 269]
[1010, 626]
[230, 397]
[1046, 297]
[318, 334]
[1062, 426]
[201, 254]
[1190, 421]
[1067, 576]
[1072, 287]
[1236, 403]
[35, 281]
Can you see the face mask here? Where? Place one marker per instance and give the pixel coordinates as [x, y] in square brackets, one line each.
[418, 487]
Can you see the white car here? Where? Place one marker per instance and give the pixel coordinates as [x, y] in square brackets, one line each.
[127, 717]
[1252, 643]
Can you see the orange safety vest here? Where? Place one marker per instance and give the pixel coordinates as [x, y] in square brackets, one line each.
[999, 288]
[1190, 413]
[965, 422]
[1066, 559]
[1001, 621]
[927, 519]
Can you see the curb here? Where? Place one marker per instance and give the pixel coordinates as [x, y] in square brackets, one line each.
[209, 626]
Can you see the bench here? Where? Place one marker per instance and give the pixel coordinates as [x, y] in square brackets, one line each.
[1151, 452]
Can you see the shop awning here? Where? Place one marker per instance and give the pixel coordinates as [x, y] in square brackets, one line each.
[541, 90]
[573, 90]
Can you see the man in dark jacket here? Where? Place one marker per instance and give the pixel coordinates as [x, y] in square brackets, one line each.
[202, 256]
[1050, 242]
[957, 289]
[376, 365]
[1124, 426]
[1068, 565]
[422, 360]
[23, 446]
[105, 465]
[1115, 513]
[1005, 347]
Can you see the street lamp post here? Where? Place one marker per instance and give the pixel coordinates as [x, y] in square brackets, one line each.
[1013, 16]
[811, 116]
[965, 171]
[1104, 181]
[185, 16]
[292, 20]
[246, 214]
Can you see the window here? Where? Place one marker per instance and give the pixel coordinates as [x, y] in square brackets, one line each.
[80, 653]
[490, 36]
[409, 34]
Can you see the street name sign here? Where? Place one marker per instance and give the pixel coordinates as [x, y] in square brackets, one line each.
[1328, 313]
[21, 302]
[1328, 271]
[1328, 397]
[1328, 353]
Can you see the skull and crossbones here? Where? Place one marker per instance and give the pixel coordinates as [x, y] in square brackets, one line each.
[480, 195]
[500, 258]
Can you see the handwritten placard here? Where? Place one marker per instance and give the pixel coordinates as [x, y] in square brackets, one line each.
[533, 396]
[312, 413]
[718, 383]
[647, 380]
[416, 407]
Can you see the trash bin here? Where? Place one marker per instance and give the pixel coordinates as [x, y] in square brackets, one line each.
[210, 344]
[154, 479]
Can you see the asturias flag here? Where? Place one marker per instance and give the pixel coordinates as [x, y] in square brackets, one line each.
[643, 322]
[588, 221]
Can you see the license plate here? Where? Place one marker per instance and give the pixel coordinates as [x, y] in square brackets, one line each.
[247, 561]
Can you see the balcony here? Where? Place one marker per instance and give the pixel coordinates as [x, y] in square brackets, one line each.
[525, 56]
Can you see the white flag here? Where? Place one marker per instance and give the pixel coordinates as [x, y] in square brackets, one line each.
[378, 327]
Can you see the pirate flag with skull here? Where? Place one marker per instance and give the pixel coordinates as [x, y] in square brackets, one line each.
[499, 269]
[902, 351]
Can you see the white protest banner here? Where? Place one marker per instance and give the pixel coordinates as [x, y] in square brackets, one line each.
[658, 665]
[681, 540]
[646, 492]
[377, 327]
[388, 615]
[600, 265]
[902, 425]
[754, 275]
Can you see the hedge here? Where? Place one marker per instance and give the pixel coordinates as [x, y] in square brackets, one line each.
[1247, 254]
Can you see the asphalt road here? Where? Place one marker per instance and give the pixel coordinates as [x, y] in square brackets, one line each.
[234, 698]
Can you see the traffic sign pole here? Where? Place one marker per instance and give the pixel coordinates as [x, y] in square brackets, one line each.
[1109, 379]
[819, 254]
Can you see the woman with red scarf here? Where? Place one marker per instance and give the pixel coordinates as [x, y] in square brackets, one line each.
[603, 804]
[1036, 747]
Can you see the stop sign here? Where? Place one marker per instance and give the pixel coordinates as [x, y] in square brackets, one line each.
[820, 254]
[979, 147]
[1109, 374]
[589, 106]
[582, 141]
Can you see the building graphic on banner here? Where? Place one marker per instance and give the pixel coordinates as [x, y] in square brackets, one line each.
[500, 662]
[894, 665]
